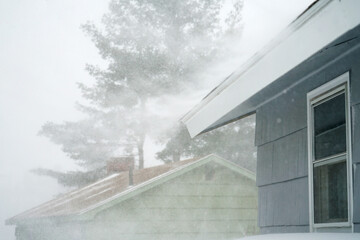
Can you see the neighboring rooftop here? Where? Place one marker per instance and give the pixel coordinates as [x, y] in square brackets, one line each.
[79, 200]
[115, 188]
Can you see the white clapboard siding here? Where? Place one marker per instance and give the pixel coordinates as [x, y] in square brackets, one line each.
[188, 207]
[209, 201]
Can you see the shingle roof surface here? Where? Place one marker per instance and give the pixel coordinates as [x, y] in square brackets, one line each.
[78, 200]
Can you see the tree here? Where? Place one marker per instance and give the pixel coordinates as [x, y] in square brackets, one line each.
[233, 142]
[73, 178]
[152, 48]
[88, 142]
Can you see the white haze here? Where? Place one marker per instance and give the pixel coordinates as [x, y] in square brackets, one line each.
[42, 56]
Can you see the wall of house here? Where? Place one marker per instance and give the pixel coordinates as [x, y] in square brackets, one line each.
[281, 138]
[197, 205]
[45, 230]
[210, 202]
[356, 155]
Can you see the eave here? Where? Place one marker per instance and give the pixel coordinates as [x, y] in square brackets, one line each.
[237, 97]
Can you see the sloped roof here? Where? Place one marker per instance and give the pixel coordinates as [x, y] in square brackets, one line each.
[240, 94]
[115, 188]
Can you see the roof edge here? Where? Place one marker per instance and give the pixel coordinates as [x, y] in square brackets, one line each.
[304, 17]
[90, 213]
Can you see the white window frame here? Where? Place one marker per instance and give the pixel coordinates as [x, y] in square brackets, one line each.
[341, 83]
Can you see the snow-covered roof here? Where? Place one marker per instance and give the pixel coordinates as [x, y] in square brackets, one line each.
[236, 96]
[85, 202]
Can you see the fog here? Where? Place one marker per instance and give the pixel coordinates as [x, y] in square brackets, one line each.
[43, 53]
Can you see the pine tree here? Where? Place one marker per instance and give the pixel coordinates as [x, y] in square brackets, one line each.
[234, 142]
[152, 48]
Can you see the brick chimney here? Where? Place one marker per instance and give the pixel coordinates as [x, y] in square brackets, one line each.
[120, 164]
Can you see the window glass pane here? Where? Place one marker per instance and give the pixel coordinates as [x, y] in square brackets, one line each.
[330, 193]
[329, 127]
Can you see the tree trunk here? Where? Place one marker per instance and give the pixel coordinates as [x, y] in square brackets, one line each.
[142, 135]
[176, 156]
[141, 151]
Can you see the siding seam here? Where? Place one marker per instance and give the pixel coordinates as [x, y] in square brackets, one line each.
[288, 134]
[355, 104]
[288, 180]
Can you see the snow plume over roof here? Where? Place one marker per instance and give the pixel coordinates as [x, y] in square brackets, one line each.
[87, 201]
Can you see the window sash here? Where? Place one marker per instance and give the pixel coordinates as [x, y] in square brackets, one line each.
[314, 98]
[330, 178]
[329, 160]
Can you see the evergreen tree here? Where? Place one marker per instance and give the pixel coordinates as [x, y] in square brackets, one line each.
[233, 142]
[152, 48]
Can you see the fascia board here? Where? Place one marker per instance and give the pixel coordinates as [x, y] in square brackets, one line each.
[315, 29]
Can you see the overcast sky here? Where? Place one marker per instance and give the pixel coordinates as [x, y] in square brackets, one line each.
[42, 56]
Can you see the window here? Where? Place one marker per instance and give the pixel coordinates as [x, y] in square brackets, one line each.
[329, 155]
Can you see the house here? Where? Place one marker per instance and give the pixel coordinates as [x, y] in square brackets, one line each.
[207, 198]
[304, 88]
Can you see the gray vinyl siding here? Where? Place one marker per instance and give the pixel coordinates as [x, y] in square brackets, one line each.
[281, 137]
[356, 227]
[356, 132]
[281, 202]
[356, 158]
[285, 229]
[356, 187]
[283, 159]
